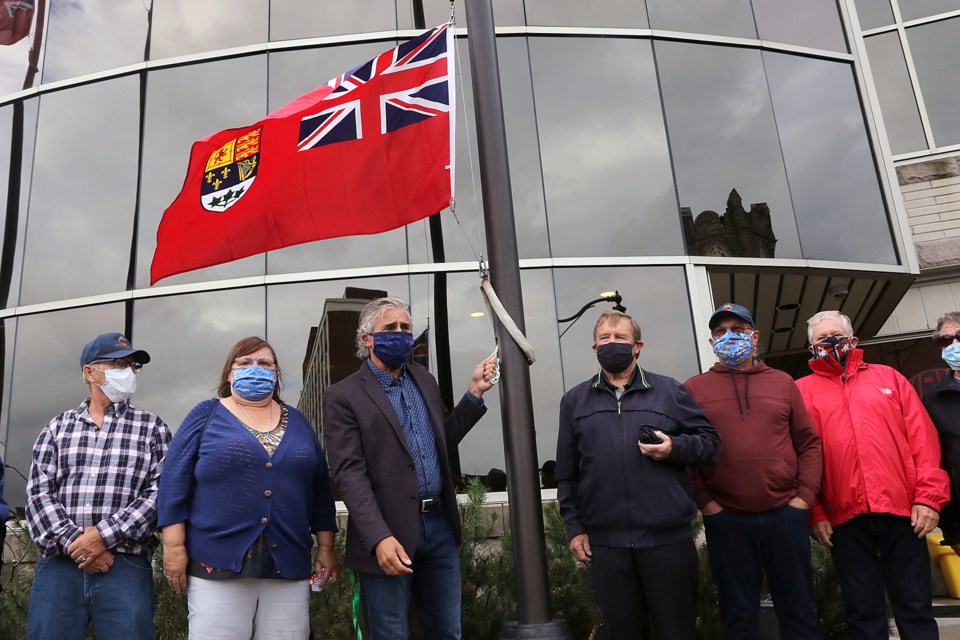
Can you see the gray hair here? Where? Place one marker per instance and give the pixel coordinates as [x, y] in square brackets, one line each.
[817, 318]
[369, 315]
[949, 316]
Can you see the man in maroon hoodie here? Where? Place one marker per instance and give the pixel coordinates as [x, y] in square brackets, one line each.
[756, 499]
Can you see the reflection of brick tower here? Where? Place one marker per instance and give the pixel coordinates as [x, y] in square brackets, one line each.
[735, 233]
[331, 349]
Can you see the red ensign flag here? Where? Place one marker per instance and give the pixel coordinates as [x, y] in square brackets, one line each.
[368, 152]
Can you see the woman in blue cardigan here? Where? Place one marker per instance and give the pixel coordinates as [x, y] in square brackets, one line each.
[244, 484]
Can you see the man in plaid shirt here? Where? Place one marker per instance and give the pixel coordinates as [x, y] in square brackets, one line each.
[91, 505]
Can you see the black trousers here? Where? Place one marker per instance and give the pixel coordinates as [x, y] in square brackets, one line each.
[635, 587]
[877, 550]
[3, 536]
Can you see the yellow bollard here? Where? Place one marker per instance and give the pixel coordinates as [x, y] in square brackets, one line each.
[948, 561]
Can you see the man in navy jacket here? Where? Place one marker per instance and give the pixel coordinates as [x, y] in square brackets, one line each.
[623, 496]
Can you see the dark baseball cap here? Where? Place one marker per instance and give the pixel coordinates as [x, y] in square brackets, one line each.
[108, 346]
[730, 309]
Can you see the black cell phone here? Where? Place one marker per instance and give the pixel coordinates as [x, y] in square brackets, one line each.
[648, 435]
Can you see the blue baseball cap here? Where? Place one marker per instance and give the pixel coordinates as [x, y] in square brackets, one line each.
[730, 309]
[108, 346]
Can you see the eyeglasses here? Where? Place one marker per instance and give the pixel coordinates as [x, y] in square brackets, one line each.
[246, 361]
[120, 363]
[722, 331]
[945, 341]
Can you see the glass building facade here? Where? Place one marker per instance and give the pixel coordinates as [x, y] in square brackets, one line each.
[682, 153]
[910, 48]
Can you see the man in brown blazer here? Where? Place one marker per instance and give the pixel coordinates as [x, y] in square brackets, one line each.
[387, 439]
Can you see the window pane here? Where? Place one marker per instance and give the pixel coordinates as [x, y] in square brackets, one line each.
[46, 378]
[435, 12]
[936, 48]
[83, 192]
[472, 340]
[604, 151]
[181, 109]
[897, 101]
[9, 120]
[874, 13]
[6, 135]
[182, 27]
[291, 19]
[13, 497]
[83, 37]
[833, 178]
[913, 9]
[706, 135]
[464, 233]
[717, 17]
[655, 296]
[811, 23]
[295, 310]
[26, 122]
[188, 337]
[576, 13]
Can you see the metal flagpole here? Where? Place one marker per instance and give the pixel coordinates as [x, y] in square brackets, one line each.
[526, 517]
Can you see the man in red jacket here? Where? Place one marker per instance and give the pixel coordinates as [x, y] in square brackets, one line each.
[883, 486]
[756, 499]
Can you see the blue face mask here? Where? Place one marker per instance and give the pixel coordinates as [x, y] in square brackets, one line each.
[254, 383]
[393, 348]
[733, 349]
[951, 355]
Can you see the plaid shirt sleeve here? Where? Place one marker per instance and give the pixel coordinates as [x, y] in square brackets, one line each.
[50, 526]
[138, 520]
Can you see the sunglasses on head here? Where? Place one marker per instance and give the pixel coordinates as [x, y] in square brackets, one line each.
[945, 341]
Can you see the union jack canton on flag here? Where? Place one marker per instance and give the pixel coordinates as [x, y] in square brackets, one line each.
[409, 100]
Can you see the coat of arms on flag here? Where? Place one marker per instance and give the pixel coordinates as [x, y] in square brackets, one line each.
[230, 172]
[367, 152]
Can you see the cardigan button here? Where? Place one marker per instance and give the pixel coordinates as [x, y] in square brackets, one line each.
[274, 547]
[413, 498]
[410, 467]
[267, 493]
[269, 465]
[263, 521]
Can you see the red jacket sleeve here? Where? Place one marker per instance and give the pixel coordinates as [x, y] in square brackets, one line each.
[933, 484]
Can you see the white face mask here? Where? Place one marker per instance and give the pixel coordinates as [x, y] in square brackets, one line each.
[120, 384]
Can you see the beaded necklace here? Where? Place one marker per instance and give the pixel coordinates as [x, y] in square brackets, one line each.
[270, 439]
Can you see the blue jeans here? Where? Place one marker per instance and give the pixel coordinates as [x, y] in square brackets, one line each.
[64, 600]
[435, 584]
[741, 547]
[877, 550]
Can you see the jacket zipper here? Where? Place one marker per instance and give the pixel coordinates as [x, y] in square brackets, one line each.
[846, 396]
[623, 457]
